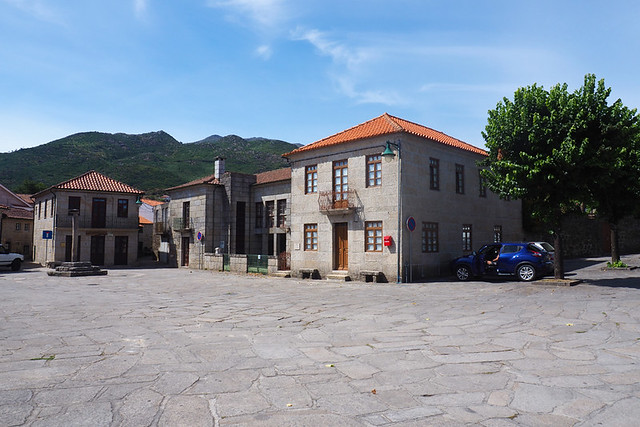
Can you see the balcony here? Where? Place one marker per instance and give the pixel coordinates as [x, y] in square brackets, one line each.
[161, 228]
[86, 222]
[182, 224]
[331, 202]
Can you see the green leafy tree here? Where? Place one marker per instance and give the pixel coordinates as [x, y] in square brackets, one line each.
[560, 151]
[29, 186]
[611, 135]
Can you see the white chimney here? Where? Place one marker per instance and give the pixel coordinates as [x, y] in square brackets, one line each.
[219, 167]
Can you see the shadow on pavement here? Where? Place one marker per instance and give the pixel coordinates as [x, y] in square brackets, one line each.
[623, 282]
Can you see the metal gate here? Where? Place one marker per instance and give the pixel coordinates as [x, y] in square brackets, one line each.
[258, 264]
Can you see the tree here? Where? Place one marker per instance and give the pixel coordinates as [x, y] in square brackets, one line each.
[561, 150]
[612, 140]
[532, 157]
[29, 186]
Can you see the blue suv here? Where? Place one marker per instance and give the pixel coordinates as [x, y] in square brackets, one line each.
[523, 260]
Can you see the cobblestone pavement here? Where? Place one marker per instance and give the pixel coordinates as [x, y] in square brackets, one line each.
[173, 347]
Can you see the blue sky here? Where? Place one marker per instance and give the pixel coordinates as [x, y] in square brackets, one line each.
[297, 70]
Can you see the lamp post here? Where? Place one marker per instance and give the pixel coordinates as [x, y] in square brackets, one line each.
[389, 154]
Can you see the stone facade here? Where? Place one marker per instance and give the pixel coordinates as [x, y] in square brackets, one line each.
[16, 223]
[349, 233]
[106, 221]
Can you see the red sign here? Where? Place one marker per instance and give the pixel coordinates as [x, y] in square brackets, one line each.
[387, 241]
[411, 223]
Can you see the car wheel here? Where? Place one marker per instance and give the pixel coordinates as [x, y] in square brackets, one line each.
[463, 273]
[15, 265]
[526, 272]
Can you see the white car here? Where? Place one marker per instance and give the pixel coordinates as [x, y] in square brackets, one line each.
[10, 259]
[546, 247]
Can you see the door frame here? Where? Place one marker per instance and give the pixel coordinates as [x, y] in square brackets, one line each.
[341, 246]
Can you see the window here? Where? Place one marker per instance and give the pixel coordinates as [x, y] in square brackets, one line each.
[434, 174]
[311, 178]
[466, 237]
[270, 214]
[483, 185]
[373, 233]
[511, 249]
[311, 237]
[497, 233]
[374, 170]
[26, 226]
[18, 226]
[459, 179]
[74, 203]
[45, 208]
[123, 208]
[52, 200]
[340, 184]
[186, 214]
[39, 209]
[282, 213]
[429, 237]
[259, 214]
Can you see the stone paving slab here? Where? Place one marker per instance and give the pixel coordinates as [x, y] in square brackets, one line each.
[172, 347]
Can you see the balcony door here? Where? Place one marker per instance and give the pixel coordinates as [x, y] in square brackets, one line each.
[99, 212]
[340, 246]
[340, 184]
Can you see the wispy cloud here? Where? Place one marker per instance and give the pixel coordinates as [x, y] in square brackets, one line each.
[340, 53]
[38, 9]
[264, 51]
[267, 14]
[140, 8]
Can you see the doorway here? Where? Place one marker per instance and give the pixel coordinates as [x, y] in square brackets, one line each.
[185, 251]
[121, 254]
[340, 246]
[97, 250]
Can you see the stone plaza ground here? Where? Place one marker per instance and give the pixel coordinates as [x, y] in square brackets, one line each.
[175, 347]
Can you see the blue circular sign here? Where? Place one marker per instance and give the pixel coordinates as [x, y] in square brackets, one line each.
[411, 223]
[199, 236]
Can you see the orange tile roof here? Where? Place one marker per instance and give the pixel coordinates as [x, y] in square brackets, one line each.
[27, 198]
[273, 176]
[210, 179]
[19, 213]
[151, 202]
[95, 181]
[144, 221]
[386, 125]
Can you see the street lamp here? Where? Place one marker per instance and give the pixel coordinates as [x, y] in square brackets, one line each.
[388, 154]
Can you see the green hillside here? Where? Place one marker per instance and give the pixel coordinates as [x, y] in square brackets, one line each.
[151, 161]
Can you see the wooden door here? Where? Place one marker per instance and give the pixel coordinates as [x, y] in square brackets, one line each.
[121, 253]
[97, 250]
[99, 213]
[340, 246]
[185, 251]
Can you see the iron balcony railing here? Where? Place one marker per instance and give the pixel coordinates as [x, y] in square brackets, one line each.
[330, 201]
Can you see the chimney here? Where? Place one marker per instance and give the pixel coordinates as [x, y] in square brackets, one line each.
[218, 167]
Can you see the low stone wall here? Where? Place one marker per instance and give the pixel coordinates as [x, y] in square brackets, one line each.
[590, 237]
[237, 263]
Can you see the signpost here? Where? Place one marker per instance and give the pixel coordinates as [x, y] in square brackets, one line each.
[47, 235]
[411, 226]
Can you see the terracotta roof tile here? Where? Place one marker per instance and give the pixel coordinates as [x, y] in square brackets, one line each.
[27, 198]
[18, 213]
[143, 220]
[210, 179]
[95, 181]
[386, 125]
[273, 176]
[151, 202]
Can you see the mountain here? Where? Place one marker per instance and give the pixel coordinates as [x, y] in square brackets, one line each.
[150, 161]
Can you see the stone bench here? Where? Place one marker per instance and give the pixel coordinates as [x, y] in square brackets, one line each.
[372, 276]
[309, 273]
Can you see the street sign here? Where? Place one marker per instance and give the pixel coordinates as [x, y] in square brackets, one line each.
[47, 234]
[199, 236]
[411, 223]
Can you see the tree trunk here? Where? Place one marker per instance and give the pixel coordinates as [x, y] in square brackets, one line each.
[558, 262]
[615, 250]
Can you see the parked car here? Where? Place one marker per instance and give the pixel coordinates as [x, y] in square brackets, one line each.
[10, 259]
[524, 260]
[546, 247]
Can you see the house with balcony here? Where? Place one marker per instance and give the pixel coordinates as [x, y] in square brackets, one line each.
[104, 214]
[226, 220]
[391, 200]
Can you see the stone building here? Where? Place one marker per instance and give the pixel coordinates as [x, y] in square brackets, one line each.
[223, 217]
[16, 222]
[105, 213]
[355, 194]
